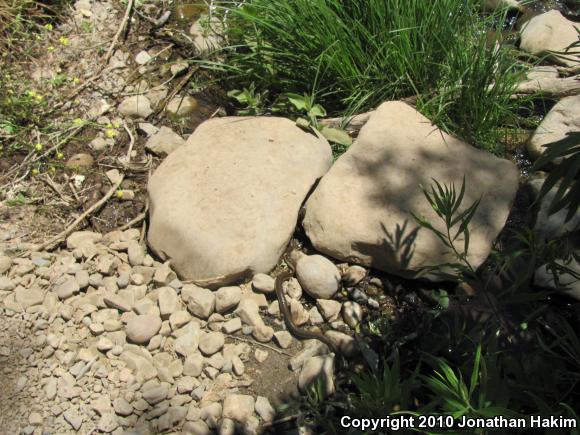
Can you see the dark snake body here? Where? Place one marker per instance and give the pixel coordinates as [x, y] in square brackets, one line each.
[290, 326]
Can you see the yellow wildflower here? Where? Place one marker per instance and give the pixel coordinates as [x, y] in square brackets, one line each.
[51, 48]
[119, 194]
[35, 171]
[77, 121]
[116, 124]
[48, 27]
[64, 41]
[75, 80]
[110, 133]
[59, 155]
[109, 125]
[39, 98]
[38, 147]
[31, 94]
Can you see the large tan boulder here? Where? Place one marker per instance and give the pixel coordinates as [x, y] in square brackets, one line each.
[361, 210]
[550, 32]
[224, 205]
[562, 119]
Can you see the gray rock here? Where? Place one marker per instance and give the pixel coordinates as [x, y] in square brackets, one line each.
[193, 365]
[317, 369]
[238, 407]
[156, 394]
[182, 106]
[29, 297]
[362, 210]
[179, 319]
[201, 303]
[141, 328]
[232, 325]
[168, 301]
[227, 298]
[188, 342]
[5, 264]
[283, 338]
[329, 309]
[107, 423]
[122, 407]
[264, 409]
[562, 119]
[353, 275]
[66, 287]
[137, 106]
[263, 283]
[209, 245]
[164, 142]
[211, 343]
[318, 276]
[143, 57]
[352, 314]
[549, 33]
[136, 253]
[198, 427]
[73, 418]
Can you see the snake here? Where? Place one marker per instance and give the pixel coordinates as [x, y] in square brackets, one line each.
[290, 326]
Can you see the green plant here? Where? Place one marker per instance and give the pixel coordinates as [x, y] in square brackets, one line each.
[565, 154]
[254, 101]
[446, 202]
[359, 54]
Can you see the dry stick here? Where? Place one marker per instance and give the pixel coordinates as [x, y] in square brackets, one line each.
[246, 340]
[56, 239]
[118, 34]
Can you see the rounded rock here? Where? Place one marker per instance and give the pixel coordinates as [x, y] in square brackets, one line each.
[318, 276]
[140, 329]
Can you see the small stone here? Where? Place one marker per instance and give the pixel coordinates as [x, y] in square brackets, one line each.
[329, 309]
[142, 58]
[298, 313]
[118, 301]
[315, 316]
[317, 368]
[122, 407]
[96, 328]
[5, 264]
[156, 394]
[232, 325]
[261, 355]
[182, 106]
[343, 341]
[227, 298]
[80, 161]
[104, 344]
[263, 333]
[126, 194]
[168, 301]
[283, 338]
[164, 142]
[179, 319]
[263, 283]
[211, 343]
[193, 365]
[73, 418]
[318, 276]
[67, 288]
[186, 384]
[227, 427]
[107, 423]
[201, 303]
[137, 106]
[264, 409]
[352, 314]
[148, 128]
[188, 342]
[353, 275]
[35, 419]
[29, 297]
[238, 407]
[141, 328]
[136, 253]
[198, 427]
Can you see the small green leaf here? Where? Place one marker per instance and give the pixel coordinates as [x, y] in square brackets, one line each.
[336, 135]
[298, 101]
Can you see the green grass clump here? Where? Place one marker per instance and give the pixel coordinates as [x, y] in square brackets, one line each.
[353, 55]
